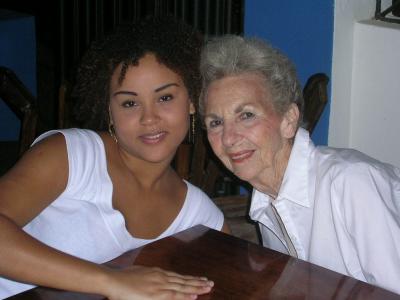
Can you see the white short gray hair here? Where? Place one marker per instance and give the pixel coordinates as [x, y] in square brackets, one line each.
[234, 55]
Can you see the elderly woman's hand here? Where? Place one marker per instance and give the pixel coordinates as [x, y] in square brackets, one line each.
[138, 282]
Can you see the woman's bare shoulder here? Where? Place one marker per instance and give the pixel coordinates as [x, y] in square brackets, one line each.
[36, 180]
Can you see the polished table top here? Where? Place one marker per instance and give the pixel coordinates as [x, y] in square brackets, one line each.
[240, 270]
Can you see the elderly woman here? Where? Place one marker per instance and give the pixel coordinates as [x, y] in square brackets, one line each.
[337, 208]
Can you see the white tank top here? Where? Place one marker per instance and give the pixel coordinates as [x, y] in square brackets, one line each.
[82, 221]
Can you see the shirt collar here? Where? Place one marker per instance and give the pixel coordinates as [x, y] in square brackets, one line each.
[294, 185]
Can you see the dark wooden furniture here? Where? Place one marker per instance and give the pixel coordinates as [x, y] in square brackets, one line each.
[315, 99]
[22, 103]
[240, 270]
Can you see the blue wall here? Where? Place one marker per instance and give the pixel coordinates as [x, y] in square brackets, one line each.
[17, 52]
[303, 30]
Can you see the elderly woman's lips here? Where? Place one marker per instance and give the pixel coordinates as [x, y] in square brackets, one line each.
[241, 156]
[153, 138]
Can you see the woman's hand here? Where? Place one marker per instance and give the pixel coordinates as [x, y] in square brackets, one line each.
[138, 282]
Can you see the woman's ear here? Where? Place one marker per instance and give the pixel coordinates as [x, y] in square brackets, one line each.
[290, 121]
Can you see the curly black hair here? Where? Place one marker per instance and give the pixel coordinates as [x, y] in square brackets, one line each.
[174, 43]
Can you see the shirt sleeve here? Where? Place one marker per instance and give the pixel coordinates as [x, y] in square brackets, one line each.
[203, 210]
[369, 205]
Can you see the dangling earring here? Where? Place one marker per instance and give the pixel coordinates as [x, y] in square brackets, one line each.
[192, 128]
[111, 128]
[111, 131]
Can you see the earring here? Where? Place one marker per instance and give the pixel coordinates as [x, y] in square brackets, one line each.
[111, 131]
[192, 128]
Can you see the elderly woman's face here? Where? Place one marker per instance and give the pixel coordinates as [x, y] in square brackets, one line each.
[244, 130]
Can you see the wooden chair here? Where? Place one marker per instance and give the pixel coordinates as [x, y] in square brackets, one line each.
[198, 164]
[65, 106]
[315, 96]
[22, 103]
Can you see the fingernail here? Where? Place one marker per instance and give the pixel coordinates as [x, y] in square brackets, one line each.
[193, 296]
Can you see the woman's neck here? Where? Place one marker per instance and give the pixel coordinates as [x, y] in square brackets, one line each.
[149, 175]
[269, 181]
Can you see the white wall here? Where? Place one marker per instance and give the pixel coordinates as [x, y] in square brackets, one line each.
[365, 86]
[375, 99]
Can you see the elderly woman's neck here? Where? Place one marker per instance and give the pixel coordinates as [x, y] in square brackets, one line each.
[269, 182]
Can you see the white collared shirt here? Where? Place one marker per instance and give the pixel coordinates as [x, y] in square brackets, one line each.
[341, 210]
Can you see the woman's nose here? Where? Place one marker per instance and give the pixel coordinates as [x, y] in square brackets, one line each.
[149, 116]
[230, 135]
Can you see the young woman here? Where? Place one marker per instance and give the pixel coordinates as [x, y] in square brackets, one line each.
[81, 197]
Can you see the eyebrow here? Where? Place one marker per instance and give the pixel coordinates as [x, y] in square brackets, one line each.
[124, 93]
[241, 107]
[237, 110]
[212, 116]
[163, 87]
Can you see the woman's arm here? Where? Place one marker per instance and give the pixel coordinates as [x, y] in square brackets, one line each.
[36, 180]
[28, 188]
[225, 228]
[26, 259]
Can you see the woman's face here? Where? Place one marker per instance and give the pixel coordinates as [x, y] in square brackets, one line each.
[244, 130]
[150, 110]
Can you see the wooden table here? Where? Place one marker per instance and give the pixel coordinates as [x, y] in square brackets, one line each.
[240, 270]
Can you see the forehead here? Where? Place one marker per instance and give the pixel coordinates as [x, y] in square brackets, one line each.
[236, 90]
[148, 70]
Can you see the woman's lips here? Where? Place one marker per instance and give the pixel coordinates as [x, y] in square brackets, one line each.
[241, 156]
[153, 138]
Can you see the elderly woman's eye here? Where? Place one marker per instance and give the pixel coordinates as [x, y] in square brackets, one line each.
[247, 115]
[213, 124]
[129, 103]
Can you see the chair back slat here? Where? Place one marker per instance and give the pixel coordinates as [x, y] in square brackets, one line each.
[315, 99]
[16, 95]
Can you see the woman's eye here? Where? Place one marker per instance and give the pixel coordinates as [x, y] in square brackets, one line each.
[213, 124]
[166, 98]
[129, 103]
[246, 115]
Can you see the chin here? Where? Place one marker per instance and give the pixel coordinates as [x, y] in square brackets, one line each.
[244, 175]
[157, 157]
[160, 159]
